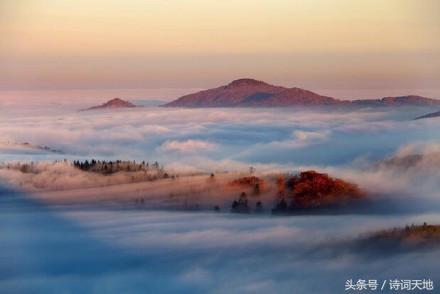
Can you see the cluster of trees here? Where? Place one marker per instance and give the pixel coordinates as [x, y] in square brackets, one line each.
[306, 190]
[28, 167]
[424, 229]
[109, 167]
[256, 183]
[417, 234]
[242, 205]
[23, 167]
[139, 171]
[311, 189]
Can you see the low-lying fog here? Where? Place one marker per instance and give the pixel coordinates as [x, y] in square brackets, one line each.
[114, 251]
[46, 246]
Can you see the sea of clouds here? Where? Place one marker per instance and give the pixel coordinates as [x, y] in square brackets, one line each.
[344, 143]
[208, 138]
[97, 250]
[89, 249]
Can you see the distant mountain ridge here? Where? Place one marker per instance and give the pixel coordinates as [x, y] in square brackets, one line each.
[254, 93]
[410, 100]
[112, 104]
[27, 146]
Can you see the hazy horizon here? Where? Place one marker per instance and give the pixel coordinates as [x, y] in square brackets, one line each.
[370, 45]
[84, 97]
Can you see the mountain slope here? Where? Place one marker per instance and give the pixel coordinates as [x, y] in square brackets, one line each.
[429, 115]
[298, 96]
[254, 93]
[251, 93]
[113, 104]
[235, 93]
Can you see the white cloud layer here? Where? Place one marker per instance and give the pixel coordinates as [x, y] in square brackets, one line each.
[187, 146]
[250, 136]
[125, 250]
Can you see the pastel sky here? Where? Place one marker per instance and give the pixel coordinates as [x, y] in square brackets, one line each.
[321, 44]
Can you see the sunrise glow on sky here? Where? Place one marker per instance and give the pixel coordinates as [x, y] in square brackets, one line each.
[49, 44]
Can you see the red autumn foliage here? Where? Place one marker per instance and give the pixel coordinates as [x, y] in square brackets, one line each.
[311, 189]
[250, 181]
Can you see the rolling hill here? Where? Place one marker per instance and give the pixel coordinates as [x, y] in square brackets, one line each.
[113, 104]
[255, 93]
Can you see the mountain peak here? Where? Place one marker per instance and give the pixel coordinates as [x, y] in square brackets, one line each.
[246, 82]
[118, 102]
[246, 92]
[113, 103]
